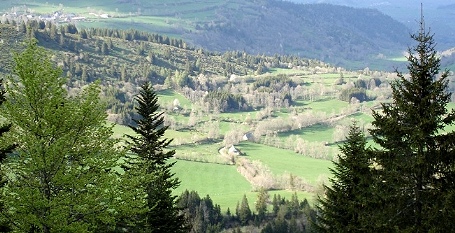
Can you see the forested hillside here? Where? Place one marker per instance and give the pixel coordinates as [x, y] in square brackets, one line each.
[344, 36]
[438, 14]
[122, 59]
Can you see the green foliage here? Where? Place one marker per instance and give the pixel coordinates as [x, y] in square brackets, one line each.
[60, 178]
[416, 158]
[4, 128]
[225, 102]
[243, 211]
[151, 167]
[290, 216]
[354, 92]
[261, 204]
[201, 213]
[274, 82]
[4, 150]
[345, 202]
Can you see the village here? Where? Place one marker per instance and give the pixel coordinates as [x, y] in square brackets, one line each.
[55, 17]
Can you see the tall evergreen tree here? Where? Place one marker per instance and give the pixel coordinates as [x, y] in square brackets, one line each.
[60, 178]
[416, 157]
[243, 211]
[261, 204]
[344, 203]
[152, 165]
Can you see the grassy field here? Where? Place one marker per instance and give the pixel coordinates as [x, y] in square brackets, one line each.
[327, 105]
[223, 183]
[282, 161]
[314, 133]
[168, 96]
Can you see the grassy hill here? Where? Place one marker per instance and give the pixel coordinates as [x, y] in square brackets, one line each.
[345, 36]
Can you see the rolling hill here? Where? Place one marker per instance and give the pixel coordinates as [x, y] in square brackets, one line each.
[344, 36]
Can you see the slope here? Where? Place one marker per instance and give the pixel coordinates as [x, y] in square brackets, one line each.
[354, 38]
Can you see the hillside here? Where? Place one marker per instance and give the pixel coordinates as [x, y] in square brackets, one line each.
[334, 34]
[344, 36]
[438, 15]
[294, 110]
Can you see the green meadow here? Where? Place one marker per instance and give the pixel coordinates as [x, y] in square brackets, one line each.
[222, 183]
[281, 161]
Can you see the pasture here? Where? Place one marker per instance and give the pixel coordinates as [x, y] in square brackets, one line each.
[222, 183]
[281, 161]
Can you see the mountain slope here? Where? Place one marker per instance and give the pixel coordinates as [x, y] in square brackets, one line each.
[438, 15]
[336, 34]
[341, 35]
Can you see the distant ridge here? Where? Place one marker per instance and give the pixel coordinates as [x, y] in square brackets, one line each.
[337, 34]
[343, 36]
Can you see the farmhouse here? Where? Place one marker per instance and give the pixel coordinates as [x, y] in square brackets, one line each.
[233, 151]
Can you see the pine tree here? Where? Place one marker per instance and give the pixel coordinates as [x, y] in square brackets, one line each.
[244, 212]
[261, 204]
[60, 177]
[152, 164]
[341, 209]
[415, 157]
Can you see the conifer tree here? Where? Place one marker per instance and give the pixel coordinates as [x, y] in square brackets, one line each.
[416, 158]
[261, 204]
[152, 165]
[60, 178]
[342, 207]
[243, 211]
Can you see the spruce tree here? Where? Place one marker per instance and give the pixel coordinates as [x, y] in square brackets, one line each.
[261, 204]
[152, 167]
[344, 203]
[415, 156]
[243, 211]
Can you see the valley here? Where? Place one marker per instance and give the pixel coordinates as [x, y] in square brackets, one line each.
[255, 99]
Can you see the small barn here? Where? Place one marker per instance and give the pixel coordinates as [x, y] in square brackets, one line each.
[233, 151]
[248, 137]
